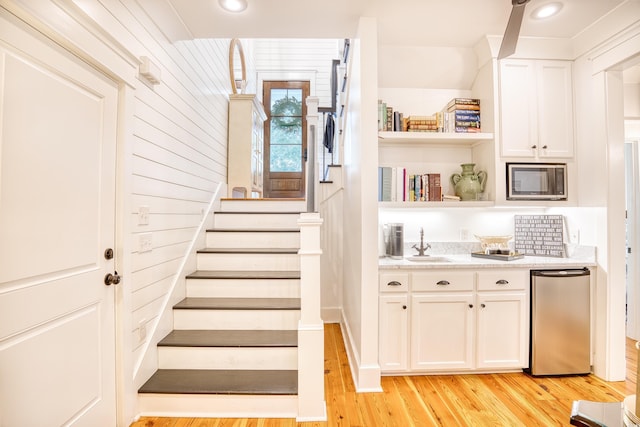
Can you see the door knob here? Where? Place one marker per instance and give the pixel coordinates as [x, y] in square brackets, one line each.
[112, 279]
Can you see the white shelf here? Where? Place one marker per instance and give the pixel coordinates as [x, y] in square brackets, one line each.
[390, 138]
[431, 205]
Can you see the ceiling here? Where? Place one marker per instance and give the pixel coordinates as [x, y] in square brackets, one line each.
[441, 23]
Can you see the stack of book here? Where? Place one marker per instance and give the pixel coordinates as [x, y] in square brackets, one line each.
[425, 123]
[462, 115]
[397, 185]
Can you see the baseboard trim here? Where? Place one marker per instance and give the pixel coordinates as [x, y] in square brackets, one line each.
[331, 314]
[366, 378]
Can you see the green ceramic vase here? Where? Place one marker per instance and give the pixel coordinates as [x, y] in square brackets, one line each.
[468, 184]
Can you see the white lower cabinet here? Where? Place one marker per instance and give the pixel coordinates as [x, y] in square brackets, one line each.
[394, 332]
[454, 320]
[442, 331]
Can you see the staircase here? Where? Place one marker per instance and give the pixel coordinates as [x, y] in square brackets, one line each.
[234, 348]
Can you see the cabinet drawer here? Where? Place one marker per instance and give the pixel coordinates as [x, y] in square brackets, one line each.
[503, 280]
[393, 282]
[444, 280]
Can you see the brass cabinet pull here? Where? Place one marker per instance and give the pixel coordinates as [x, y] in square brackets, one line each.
[394, 283]
[502, 282]
[443, 283]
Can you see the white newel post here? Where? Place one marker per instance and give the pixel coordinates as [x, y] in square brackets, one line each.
[311, 403]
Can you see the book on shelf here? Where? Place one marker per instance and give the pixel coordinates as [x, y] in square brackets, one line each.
[395, 184]
[464, 101]
[459, 107]
[384, 184]
[463, 129]
[389, 122]
[469, 124]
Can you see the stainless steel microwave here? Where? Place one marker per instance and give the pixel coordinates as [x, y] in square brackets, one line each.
[536, 181]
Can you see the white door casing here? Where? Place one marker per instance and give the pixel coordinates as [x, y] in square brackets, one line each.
[57, 217]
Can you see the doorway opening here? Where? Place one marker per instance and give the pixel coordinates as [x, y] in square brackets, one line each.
[285, 138]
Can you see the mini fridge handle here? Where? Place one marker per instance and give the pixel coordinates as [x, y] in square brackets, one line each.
[561, 273]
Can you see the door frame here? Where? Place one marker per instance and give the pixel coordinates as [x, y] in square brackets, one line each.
[632, 173]
[268, 175]
[286, 75]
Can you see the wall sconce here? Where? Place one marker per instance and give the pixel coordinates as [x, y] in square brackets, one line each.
[149, 71]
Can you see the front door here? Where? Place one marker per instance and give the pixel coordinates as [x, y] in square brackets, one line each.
[57, 213]
[285, 138]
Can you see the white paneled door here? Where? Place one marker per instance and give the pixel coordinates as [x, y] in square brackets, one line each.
[57, 201]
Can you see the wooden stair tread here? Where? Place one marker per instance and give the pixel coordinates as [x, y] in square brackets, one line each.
[203, 381]
[239, 304]
[230, 338]
[248, 251]
[245, 274]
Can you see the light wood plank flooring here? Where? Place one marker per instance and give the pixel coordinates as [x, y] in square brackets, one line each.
[442, 400]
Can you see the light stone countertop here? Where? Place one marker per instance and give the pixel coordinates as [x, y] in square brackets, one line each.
[581, 256]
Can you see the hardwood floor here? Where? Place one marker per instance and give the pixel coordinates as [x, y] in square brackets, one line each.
[439, 400]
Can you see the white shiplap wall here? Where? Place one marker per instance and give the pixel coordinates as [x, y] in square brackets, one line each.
[179, 157]
[305, 57]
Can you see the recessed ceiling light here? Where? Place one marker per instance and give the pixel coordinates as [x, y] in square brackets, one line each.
[546, 10]
[233, 5]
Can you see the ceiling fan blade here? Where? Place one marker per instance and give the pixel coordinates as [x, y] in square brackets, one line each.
[510, 39]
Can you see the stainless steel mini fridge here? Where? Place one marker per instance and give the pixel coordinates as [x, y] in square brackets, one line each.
[560, 322]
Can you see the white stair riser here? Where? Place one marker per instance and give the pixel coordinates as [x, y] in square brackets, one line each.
[254, 358]
[230, 239]
[238, 288]
[236, 319]
[217, 406]
[248, 262]
[249, 221]
[263, 205]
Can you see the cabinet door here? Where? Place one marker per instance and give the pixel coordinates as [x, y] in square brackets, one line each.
[442, 331]
[536, 108]
[393, 345]
[555, 108]
[518, 109]
[503, 330]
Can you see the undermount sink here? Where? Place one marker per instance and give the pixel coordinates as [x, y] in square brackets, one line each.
[427, 258]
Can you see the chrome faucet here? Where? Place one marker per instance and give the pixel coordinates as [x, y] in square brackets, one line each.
[422, 247]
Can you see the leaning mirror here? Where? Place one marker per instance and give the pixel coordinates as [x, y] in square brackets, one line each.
[236, 54]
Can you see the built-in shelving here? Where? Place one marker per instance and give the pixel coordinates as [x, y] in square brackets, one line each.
[431, 205]
[385, 138]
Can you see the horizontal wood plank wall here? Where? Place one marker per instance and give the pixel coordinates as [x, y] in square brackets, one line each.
[178, 158]
[292, 55]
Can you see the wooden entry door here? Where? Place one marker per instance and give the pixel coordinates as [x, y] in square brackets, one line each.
[285, 138]
[57, 218]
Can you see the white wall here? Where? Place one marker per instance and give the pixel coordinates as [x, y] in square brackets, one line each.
[449, 224]
[360, 294]
[302, 59]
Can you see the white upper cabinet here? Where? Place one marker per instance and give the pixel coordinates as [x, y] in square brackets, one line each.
[536, 109]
